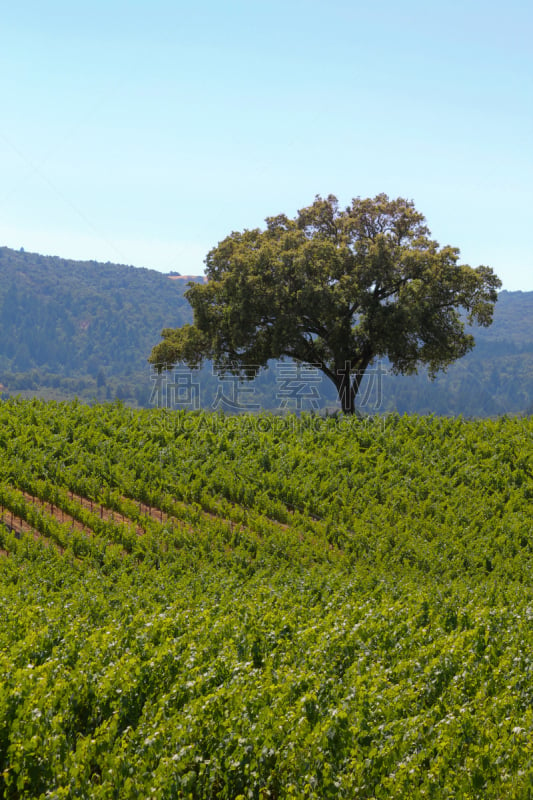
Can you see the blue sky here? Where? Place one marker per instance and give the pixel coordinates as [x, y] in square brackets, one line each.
[145, 132]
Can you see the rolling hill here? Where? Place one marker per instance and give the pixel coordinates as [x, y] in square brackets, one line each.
[85, 329]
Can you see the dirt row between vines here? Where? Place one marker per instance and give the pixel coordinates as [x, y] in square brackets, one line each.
[18, 526]
[111, 515]
[158, 515]
[58, 513]
[108, 514]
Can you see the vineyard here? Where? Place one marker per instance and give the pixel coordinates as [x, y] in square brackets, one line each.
[200, 606]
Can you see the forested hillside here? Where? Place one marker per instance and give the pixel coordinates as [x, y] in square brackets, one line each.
[495, 378]
[82, 328]
[70, 328]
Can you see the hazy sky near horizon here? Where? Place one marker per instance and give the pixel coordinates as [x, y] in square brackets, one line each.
[145, 132]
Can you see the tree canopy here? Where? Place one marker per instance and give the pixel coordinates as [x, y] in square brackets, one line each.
[336, 288]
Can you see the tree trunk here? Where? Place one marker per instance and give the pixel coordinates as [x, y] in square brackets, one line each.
[348, 382]
[348, 401]
[347, 388]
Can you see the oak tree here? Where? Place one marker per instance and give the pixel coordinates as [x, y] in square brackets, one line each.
[336, 288]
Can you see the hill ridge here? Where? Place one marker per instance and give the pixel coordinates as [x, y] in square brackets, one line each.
[86, 328]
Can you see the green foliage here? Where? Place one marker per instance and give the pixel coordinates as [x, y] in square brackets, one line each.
[297, 607]
[336, 289]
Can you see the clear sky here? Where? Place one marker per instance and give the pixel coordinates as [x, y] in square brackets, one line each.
[145, 132]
